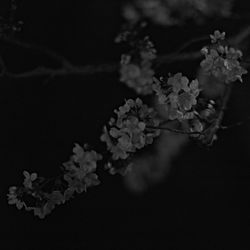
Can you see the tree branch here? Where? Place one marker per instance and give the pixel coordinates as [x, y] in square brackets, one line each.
[67, 68]
[240, 123]
[177, 131]
[64, 71]
[43, 50]
[211, 131]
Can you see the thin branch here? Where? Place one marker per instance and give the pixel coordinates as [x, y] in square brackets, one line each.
[176, 56]
[237, 124]
[225, 99]
[64, 71]
[191, 42]
[67, 68]
[216, 125]
[177, 131]
[43, 50]
[213, 128]
[241, 36]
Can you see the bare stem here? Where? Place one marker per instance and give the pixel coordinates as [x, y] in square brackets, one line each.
[64, 71]
[67, 68]
[177, 131]
[237, 124]
[43, 50]
[211, 131]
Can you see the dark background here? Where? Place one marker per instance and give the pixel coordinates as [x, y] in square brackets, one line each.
[204, 203]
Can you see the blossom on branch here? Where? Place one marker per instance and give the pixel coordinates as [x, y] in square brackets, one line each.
[128, 132]
[80, 169]
[79, 174]
[179, 96]
[222, 61]
[136, 66]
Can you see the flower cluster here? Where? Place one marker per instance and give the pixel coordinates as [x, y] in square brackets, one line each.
[80, 169]
[13, 198]
[179, 96]
[79, 174]
[205, 124]
[200, 123]
[222, 61]
[172, 12]
[136, 67]
[131, 129]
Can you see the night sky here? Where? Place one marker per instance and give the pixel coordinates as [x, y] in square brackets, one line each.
[204, 202]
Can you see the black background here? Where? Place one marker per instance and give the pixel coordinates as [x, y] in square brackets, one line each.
[204, 202]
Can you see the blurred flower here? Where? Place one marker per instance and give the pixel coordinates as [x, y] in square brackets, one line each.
[29, 178]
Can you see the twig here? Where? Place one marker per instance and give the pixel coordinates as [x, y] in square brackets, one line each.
[67, 68]
[191, 42]
[177, 131]
[175, 57]
[240, 123]
[225, 99]
[43, 50]
[73, 70]
[241, 36]
[213, 128]
[216, 125]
